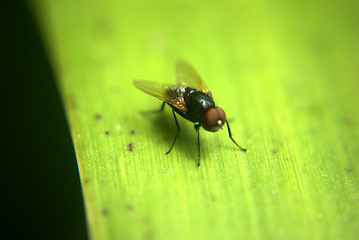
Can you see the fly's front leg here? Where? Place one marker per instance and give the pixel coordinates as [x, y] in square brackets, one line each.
[230, 136]
[178, 129]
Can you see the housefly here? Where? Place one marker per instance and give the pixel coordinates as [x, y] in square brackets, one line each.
[190, 99]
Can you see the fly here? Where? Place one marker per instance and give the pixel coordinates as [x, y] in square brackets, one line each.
[190, 99]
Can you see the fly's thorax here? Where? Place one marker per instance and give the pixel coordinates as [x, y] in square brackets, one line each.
[213, 119]
[197, 102]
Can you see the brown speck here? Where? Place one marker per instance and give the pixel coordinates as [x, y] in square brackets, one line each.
[98, 116]
[132, 132]
[348, 169]
[71, 102]
[213, 197]
[146, 220]
[130, 207]
[278, 142]
[102, 27]
[107, 132]
[147, 236]
[350, 122]
[130, 147]
[274, 151]
[104, 212]
[87, 181]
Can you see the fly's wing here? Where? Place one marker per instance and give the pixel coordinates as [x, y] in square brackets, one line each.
[188, 76]
[168, 93]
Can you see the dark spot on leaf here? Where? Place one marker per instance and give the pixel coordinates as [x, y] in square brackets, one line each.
[104, 212]
[278, 142]
[350, 122]
[146, 220]
[102, 27]
[71, 102]
[87, 181]
[132, 132]
[147, 235]
[213, 197]
[130, 207]
[275, 151]
[107, 132]
[349, 170]
[98, 116]
[130, 147]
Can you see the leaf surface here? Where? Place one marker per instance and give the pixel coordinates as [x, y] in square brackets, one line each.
[286, 73]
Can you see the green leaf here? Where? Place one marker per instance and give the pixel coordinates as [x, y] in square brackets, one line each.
[285, 72]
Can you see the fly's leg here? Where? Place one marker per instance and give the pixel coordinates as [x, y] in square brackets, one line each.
[178, 130]
[162, 107]
[154, 111]
[198, 144]
[230, 136]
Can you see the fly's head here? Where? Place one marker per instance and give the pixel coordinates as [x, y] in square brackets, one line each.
[214, 119]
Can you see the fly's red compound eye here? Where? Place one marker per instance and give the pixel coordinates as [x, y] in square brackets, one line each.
[214, 119]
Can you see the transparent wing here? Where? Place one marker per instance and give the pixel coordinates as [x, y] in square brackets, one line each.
[170, 94]
[187, 75]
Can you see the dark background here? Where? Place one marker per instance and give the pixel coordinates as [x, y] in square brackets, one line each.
[44, 199]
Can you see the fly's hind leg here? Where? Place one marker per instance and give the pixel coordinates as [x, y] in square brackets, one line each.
[178, 130]
[154, 111]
